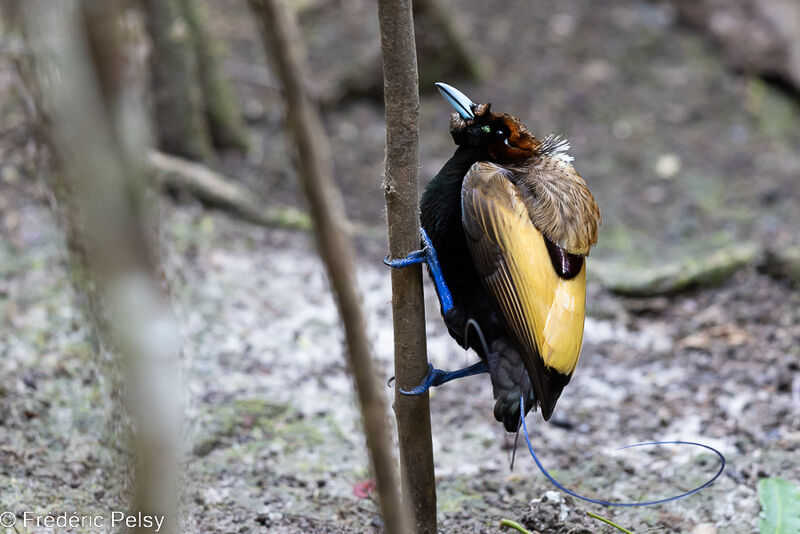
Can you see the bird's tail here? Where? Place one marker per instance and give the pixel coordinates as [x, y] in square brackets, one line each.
[510, 378]
[510, 381]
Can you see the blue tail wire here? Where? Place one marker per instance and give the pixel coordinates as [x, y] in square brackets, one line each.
[568, 491]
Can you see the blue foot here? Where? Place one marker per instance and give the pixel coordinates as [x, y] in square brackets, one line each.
[427, 255]
[437, 377]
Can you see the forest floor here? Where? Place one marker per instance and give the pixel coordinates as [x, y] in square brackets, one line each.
[685, 158]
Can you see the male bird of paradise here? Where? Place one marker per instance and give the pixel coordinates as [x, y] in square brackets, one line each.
[507, 224]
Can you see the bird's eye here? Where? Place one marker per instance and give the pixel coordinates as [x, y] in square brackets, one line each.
[501, 132]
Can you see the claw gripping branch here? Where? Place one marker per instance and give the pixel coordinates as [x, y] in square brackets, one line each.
[436, 377]
[427, 255]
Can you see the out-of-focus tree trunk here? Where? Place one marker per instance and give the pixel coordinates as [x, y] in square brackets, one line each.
[177, 96]
[97, 133]
[758, 36]
[222, 107]
[315, 169]
[62, 204]
[401, 183]
[443, 45]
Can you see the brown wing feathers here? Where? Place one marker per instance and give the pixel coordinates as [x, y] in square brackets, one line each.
[538, 287]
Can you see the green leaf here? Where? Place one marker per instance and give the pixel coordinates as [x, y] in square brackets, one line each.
[780, 506]
[514, 525]
[609, 522]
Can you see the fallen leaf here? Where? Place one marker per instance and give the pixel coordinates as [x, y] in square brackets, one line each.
[364, 489]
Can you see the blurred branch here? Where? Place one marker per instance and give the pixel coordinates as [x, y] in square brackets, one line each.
[401, 186]
[284, 44]
[220, 192]
[97, 136]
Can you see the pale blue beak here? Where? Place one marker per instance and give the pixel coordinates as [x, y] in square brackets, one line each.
[460, 102]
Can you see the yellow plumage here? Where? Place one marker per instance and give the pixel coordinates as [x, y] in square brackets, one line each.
[544, 312]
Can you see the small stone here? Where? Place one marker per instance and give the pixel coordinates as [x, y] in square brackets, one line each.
[667, 165]
[553, 496]
[704, 528]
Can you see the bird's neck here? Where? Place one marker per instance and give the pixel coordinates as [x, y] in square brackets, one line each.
[441, 202]
[445, 188]
[457, 166]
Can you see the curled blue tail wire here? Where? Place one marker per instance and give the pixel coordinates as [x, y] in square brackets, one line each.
[568, 491]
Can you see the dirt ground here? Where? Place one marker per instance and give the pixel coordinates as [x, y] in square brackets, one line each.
[685, 158]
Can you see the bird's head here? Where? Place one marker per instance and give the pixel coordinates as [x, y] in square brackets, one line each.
[505, 137]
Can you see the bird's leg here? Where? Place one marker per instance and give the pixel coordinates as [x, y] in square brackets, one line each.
[427, 255]
[437, 377]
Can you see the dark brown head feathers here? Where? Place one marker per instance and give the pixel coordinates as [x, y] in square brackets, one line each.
[505, 137]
